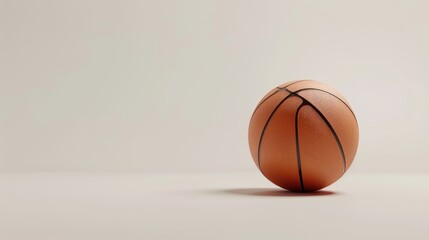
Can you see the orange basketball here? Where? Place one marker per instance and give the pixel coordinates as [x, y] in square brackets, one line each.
[303, 135]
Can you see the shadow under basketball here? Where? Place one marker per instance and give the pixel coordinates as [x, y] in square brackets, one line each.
[272, 192]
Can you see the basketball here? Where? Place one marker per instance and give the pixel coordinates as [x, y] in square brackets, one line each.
[303, 135]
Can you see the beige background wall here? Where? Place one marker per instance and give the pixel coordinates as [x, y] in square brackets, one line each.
[170, 85]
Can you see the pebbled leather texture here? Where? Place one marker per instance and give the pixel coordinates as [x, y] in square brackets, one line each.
[303, 135]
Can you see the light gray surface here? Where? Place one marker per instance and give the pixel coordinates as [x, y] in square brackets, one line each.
[209, 206]
[163, 85]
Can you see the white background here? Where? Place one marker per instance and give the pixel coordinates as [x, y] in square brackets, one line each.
[128, 119]
[170, 85]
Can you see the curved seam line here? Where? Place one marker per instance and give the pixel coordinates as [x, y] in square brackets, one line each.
[263, 102]
[347, 105]
[285, 87]
[265, 127]
[327, 124]
[331, 95]
[298, 154]
[335, 136]
[275, 93]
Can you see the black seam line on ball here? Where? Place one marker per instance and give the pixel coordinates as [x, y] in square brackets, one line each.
[317, 89]
[285, 87]
[263, 102]
[337, 140]
[265, 127]
[273, 94]
[298, 153]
